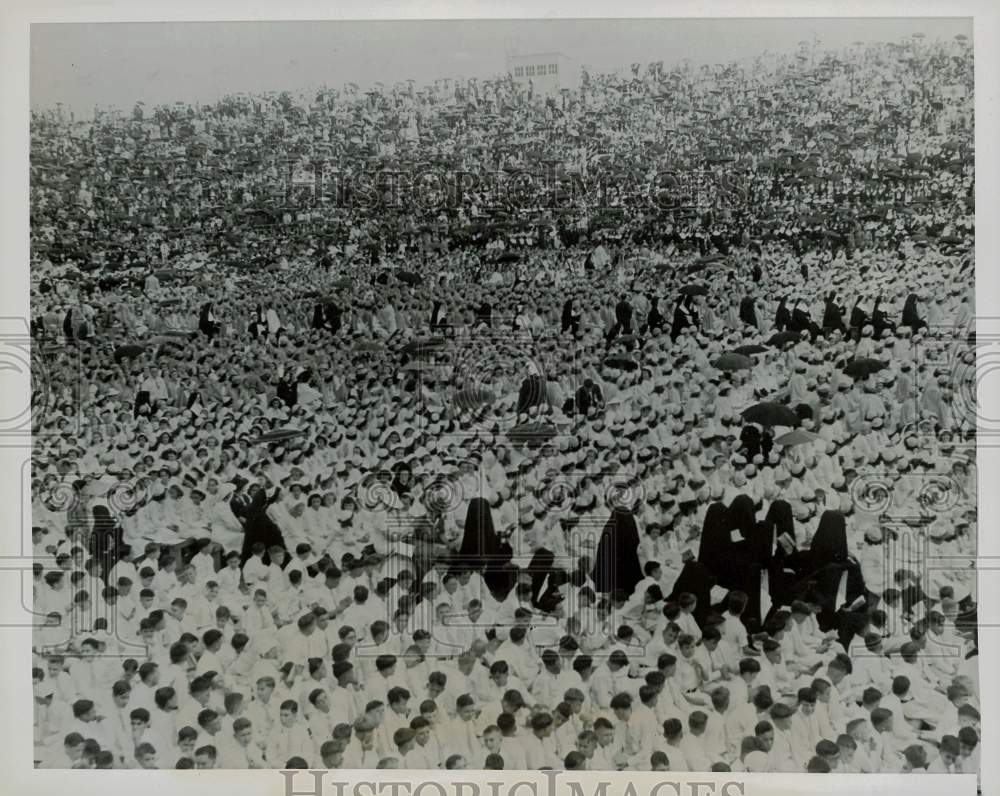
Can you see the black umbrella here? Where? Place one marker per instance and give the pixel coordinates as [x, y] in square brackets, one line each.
[694, 290]
[733, 361]
[770, 414]
[508, 257]
[532, 434]
[749, 350]
[281, 435]
[130, 351]
[409, 278]
[168, 274]
[621, 363]
[417, 348]
[863, 368]
[781, 338]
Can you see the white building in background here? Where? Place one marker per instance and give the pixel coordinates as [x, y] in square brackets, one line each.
[548, 72]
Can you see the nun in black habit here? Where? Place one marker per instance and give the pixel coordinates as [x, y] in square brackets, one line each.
[743, 519]
[751, 555]
[106, 539]
[482, 549]
[748, 311]
[880, 321]
[683, 318]
[803, 322]
[715, 547]
[859, 318]
[756, 558]
[616, 566]
[833, 314]
[532, 393]
[547, 580]
[782, 317]
[779, 525]
[540, 569]
[333, 317]
[911, 317]
[834, 576]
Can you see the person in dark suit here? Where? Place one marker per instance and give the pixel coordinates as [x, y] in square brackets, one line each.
[571, 316]
[588, 397]
[206, 321]
[623, 319]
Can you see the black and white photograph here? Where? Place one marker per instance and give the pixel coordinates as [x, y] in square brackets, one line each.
[504, 394]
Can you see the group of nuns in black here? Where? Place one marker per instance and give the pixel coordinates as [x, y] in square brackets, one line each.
[799, 320]
[738, 552]
[616, 567]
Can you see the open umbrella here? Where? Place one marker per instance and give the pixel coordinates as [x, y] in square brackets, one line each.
[732, 361]
[417, 364]
[416, 348]
[280, 435]
[781, 338]
[532, 434]
[409, 278]
[863, 368]
[749, 350]
[694, 290]
[627, 338]
[797, 437]
[621, 363]
[341, 284]
[130, 351]
[168, 274]
[702, 266]
[770, 414]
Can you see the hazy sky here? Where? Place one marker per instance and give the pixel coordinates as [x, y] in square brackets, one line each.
[116, 64]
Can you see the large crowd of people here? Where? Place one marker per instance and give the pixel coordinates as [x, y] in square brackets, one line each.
[645, 477]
